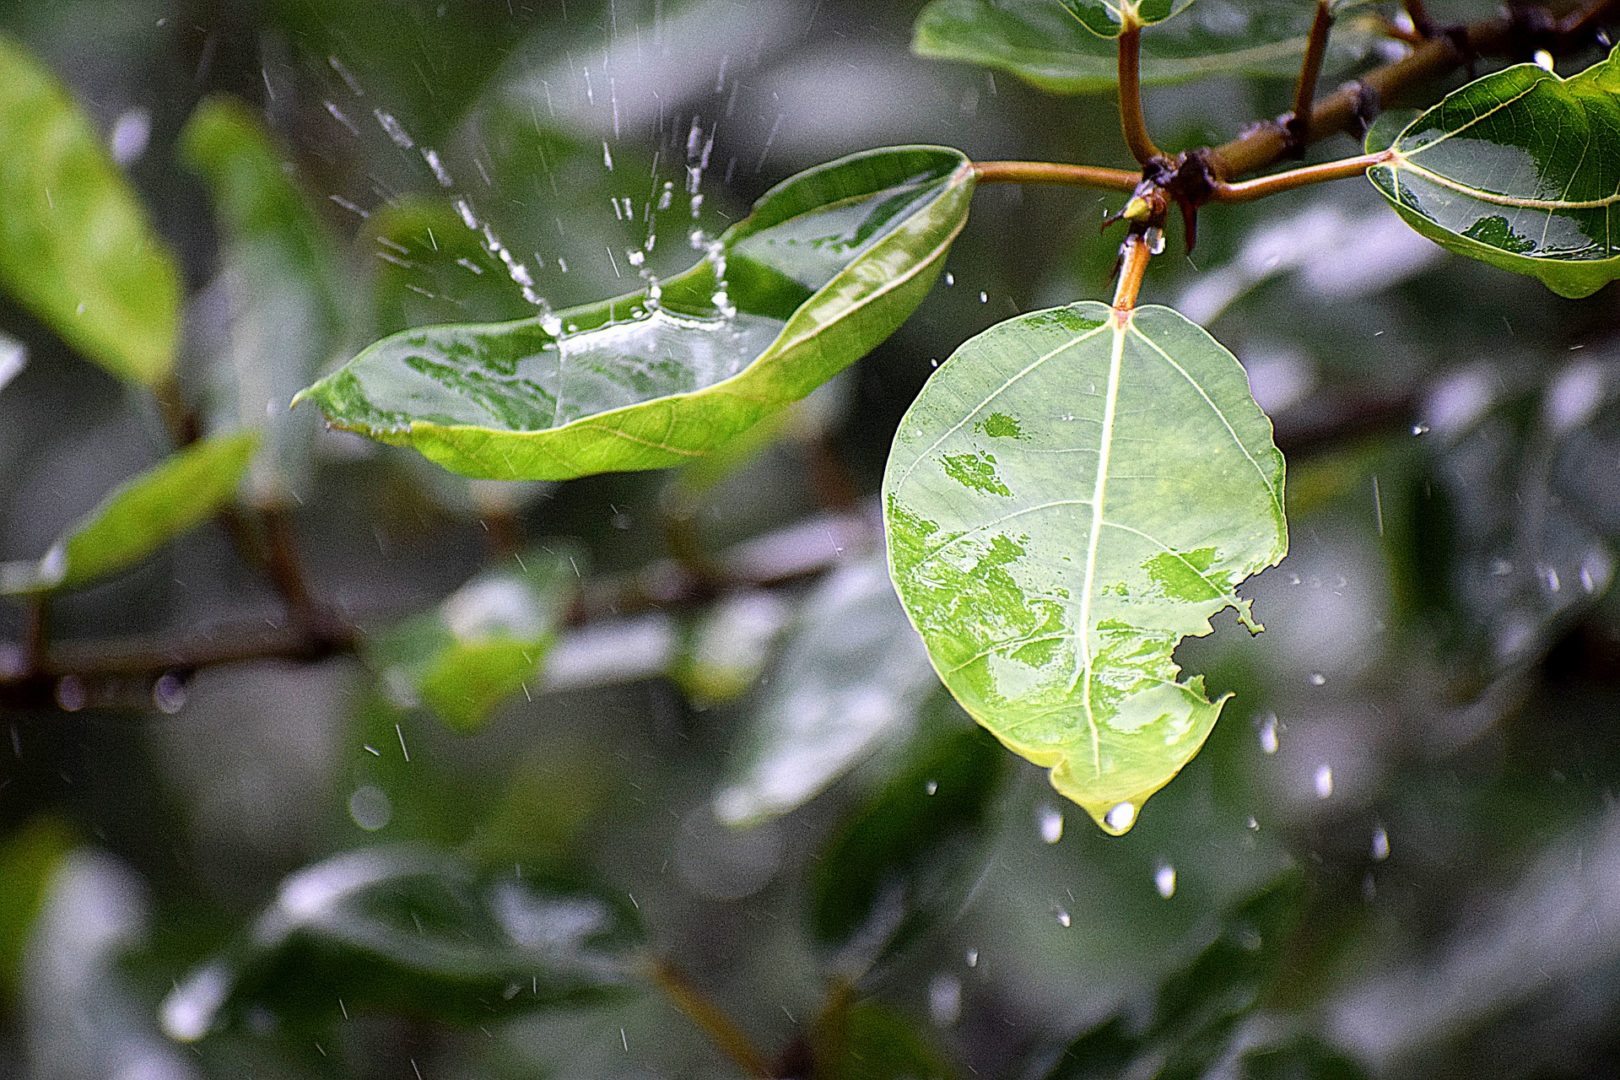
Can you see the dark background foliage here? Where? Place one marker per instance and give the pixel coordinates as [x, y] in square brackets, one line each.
[1398, 854]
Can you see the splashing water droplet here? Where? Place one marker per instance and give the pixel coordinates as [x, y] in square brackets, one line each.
[1420, 429]
[1269, 727]
[1064, 919]
[1050, 820]
[1318, 679]
[1164, 880]
[1120, 817]
[1323, 781]
[1380, 844]
[972, 958]
[931, 787]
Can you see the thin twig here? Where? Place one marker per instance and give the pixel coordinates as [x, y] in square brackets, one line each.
[1054, 172]
[1310, 71]
[710, 1019]
[286, 571]
[1261, 187]
[1132, 121]
[36, 634]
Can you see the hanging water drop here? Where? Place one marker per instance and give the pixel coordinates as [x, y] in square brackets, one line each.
[1120, 817]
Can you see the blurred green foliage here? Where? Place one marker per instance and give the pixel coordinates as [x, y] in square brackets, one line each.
[1395, 857]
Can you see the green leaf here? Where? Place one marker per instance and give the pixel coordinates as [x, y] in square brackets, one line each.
[899, 861]
[76, 248]
[29, 858]
[1106, 18]
[866, 1040]
[728, 647]
[396, 928]
[1193, 1018]
[282, 287]
[140, 517]
[1518, 169]
[851, 679]
[1070, 495]
[1046, 44]
[484, 643]
[828, 265]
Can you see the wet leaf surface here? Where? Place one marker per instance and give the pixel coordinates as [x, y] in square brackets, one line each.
[828, 265]
[1519, 169]
[1069, 497]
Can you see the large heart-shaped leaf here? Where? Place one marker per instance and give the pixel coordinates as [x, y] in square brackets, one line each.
[828, 265]
[1070, 495]
[142, 515]
[1519, 169]
[281, 289]
[1046, 44]
[76, 248]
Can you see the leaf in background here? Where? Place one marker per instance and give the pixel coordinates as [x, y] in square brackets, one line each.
[76, 248]
[851, 678]
[1196, 1012]
[828, 265]
[1042, 41]
[1517, 169]
[141, 516]
[484, 643]
[1106, 18]
[393, 928]
[29, 857]
[282, 286]
[866, 1040]
[729, 646]
[900, 861]
[1301, 1057]
[1069, 497]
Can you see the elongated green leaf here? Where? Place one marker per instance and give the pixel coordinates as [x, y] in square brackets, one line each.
[29, 858]
[401, 928]
[851, 679]
[281, 286]
[828, 265]
[1519, 169]
[76, 248]
[484, 643]
[1070, 496]
[1046, 44]
[140, 516]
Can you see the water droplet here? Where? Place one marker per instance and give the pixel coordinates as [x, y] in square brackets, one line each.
[1323, 781]
[607, 157]
[1420, 429]
[1063, 917]
[972, 958]
[1543, 59]
[932, 787]
[637, 258]
[1318, 679]
[1155, 241]
[1120, 817]
[71, 695]
[950, 279]
[1252, 823]
[944, 999]
[1164, 880]
[1380, 844]
[1268, 733]
[169, 694]
[984, 297]
[1051, 823]
[370, 807]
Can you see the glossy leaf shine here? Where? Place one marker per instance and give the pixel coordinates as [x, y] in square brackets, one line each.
[828, 265]
[1519, 169]
[1069, 497]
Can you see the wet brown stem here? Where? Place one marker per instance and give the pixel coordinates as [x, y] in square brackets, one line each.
[1132, 121]
[710, 1019]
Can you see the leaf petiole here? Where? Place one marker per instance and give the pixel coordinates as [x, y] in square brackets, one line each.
[1275, 184]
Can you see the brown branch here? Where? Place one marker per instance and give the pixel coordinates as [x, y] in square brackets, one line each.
[1261, 187]
[1053, 172]
[1132, 121]
[710, 1019]
[1310, 72]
